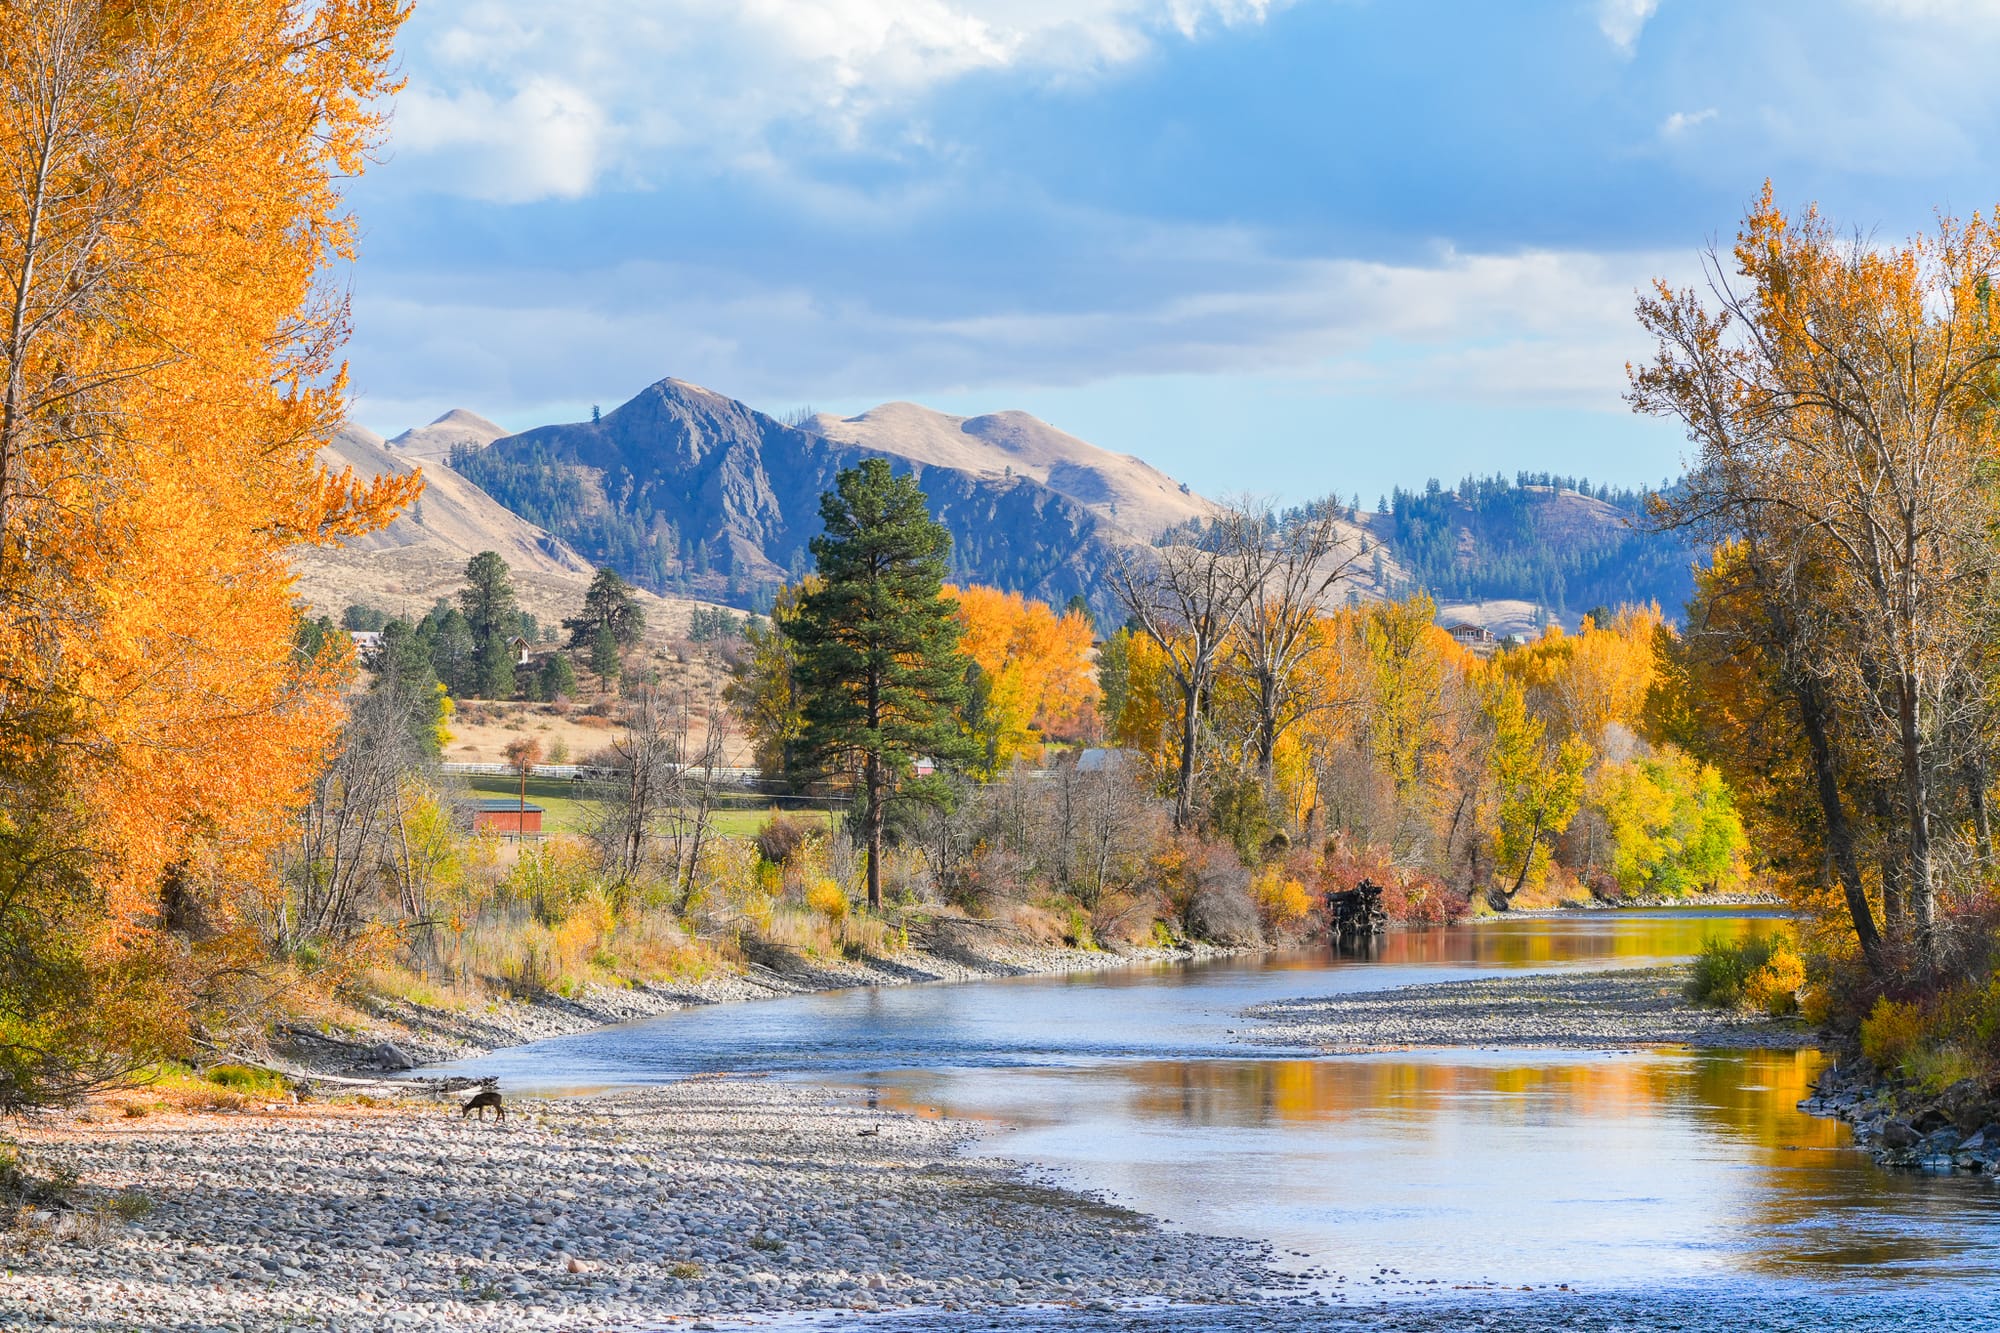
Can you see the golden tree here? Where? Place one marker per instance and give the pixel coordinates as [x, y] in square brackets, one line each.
[169, 211]
[1841, 396]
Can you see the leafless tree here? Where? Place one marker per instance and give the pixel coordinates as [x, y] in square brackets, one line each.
[659, 789]
[1291, 565]
[1187, 594]
[350, 831]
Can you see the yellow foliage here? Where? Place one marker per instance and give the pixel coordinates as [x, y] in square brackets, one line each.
[829, 900]
[1775, 986]
[1037, 666]
[1281, 899]
[1892, 1033]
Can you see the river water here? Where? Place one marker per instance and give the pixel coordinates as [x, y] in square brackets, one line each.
[1455, 1188]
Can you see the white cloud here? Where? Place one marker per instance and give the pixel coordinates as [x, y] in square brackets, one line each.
[1540, 328]
[1682, 121]
[525, 99]
[1621, 21]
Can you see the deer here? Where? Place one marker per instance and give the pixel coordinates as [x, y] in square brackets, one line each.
[480, 1101]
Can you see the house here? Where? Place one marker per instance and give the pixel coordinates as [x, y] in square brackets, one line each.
[1467, 633]
[366, 642]
[507, 816]
[524, 652]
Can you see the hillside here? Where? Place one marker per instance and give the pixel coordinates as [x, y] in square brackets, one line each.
[1123, 491]
[1556, 543]
[420, 557]
[694, 495]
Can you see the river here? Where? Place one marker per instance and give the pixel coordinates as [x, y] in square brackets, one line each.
[1650, 1188]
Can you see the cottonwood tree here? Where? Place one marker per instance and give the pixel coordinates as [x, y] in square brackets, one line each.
[170, 214]
[879, 666]
[1539, 781]
[1841, 396]
[1188, 595]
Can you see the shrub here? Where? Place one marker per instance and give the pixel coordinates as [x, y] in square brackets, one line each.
[1775, 986]
[827, 899]
[247, 1079]
[1892, 1032]
[1219, 908]
[782, 837]
[1281, 900]
[1759, 973]
[1420, 900]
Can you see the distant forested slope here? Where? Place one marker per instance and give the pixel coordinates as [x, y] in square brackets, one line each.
[1557, 541]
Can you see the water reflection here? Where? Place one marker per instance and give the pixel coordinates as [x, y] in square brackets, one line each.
[1599, 1170]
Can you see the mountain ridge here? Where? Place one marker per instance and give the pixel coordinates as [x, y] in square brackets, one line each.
[696, 495]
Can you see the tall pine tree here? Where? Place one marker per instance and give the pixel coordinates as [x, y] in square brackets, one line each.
[494, 618]
[879, 664]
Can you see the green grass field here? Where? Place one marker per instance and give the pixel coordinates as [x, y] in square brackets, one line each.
[562, 812]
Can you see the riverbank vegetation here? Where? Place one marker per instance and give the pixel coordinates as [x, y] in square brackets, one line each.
[1838, 661]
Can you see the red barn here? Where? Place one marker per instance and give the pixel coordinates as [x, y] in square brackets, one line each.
[508, 816]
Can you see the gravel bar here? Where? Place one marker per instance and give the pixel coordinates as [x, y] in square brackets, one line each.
[711, 1198]
[1564, 1010]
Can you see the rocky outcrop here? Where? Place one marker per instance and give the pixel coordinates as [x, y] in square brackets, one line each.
[1957, 1129]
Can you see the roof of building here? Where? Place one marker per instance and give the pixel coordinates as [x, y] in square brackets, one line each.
[508, 807]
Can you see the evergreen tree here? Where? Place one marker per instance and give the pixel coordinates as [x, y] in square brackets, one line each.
[454, 653]
[494, 618]
[558, 677]
[879, 664]
[608, 605]
[604, 656]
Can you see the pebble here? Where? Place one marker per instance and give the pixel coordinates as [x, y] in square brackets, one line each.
[711, 1197]
[1563, 1010]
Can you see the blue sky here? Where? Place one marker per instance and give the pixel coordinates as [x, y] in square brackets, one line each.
[1280, 246]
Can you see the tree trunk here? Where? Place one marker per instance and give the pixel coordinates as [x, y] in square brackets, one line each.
[1975, 795]
[872, 779]
[1921, 887]
[1184, 786]
[1839, 833]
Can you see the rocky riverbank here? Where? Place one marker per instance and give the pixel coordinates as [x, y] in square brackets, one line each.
[1957, 1129]
[945, 948]
[1568, 1010]
[708, 1198]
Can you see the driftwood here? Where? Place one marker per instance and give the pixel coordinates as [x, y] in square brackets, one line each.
[1357, 912]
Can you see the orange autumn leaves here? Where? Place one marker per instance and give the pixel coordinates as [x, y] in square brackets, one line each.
[169, 214]
[1037, 676]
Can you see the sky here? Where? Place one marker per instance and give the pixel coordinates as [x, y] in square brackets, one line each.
[1275, 247]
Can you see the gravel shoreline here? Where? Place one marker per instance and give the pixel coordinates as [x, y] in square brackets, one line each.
[715, 1197]
[1562, 1010]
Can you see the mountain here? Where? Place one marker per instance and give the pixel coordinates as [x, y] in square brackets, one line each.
[420, 557]
[1124, 492]
[684, 488]
[456, 429]
[695, 495]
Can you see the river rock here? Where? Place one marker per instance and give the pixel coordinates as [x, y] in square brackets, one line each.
[1899, 1135]
[388, 1055]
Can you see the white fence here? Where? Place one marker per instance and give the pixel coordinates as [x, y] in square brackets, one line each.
[742, 777]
